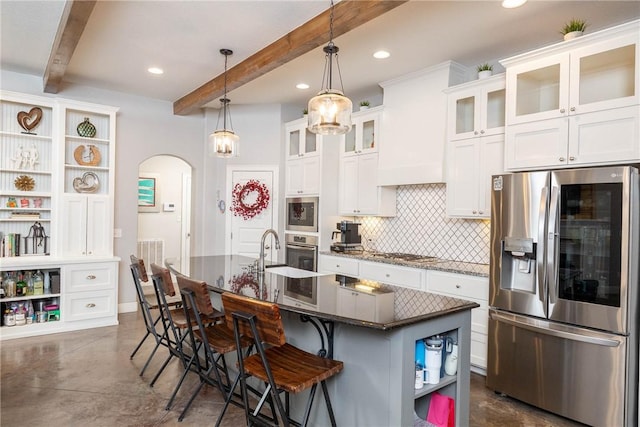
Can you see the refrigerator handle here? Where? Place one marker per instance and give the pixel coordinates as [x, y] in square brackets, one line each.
[542, 214]
[552, 234]
[561, 332]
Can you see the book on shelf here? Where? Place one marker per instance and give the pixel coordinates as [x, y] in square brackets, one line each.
[10, 245]
[25, 215]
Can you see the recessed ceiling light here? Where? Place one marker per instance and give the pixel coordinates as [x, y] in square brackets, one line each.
[155, 70]
[510, 4]
[381, 54]
[302, 86]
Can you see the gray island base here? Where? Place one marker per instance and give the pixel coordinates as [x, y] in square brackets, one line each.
[371, 327]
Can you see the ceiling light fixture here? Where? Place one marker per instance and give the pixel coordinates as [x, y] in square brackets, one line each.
[224, 142]
[155, 70]
[381, 54]
[330, 110]
[302, 86]
[510, 4]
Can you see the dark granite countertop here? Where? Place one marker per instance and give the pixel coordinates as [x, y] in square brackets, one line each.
[460, 267]
[321, 295]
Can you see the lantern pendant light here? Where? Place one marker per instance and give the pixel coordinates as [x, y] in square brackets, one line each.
[224, 142]
[329, 112]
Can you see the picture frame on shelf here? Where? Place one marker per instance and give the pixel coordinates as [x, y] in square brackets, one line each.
[148, 200]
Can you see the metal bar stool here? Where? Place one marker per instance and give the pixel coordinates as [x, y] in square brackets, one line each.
[139, 273]
[282, 366]
[175, 326]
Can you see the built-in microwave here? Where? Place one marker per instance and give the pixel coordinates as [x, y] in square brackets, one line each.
[302, 214]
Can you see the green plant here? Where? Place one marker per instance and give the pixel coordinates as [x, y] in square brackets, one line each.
[364, 103]
[484, 67]
[574, 25]
[305, 111]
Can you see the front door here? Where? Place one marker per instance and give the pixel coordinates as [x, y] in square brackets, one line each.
[253, 196]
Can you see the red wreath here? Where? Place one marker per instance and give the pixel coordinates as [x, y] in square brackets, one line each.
[247, 280]
[241, 192]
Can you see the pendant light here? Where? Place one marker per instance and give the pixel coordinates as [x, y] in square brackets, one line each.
[329, 112]
[224, 142]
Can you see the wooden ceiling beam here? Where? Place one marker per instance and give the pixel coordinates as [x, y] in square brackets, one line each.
[348, 14]
[74, 19]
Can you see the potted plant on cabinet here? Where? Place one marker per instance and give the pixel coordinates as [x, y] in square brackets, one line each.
[364, 105]
[574, 28]
[484, 70]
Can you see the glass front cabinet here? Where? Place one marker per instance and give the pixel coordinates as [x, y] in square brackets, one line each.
[575, 102]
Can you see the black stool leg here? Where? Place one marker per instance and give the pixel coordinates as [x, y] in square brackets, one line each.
[328, 402]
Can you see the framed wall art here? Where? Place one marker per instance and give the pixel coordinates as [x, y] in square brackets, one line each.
[148, 195]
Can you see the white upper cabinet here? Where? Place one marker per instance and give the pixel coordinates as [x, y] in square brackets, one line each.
[364, 134]
[358, 191]
[475, 147]
[476, 108]
[575, 103]
[299, 141]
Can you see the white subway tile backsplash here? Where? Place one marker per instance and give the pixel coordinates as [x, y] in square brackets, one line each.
[421, 227]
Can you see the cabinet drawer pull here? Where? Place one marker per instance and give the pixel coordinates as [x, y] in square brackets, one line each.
[91, 277]
[457, 286]
[562, 110]
[561, 159]
[572, 109]
[387, 275]
[571, 159]
[90, 305]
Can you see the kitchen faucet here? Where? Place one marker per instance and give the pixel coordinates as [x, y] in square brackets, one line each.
[262, 254]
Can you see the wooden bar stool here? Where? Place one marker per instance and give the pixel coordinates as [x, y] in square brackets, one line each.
[214, 340]
[283, 367]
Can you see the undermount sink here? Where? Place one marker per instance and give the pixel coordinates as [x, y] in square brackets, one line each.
[292, 272]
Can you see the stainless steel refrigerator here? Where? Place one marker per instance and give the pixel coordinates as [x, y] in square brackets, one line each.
[563, 317]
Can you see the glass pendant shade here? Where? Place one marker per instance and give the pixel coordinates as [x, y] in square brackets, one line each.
[223, 143]
[329, 113]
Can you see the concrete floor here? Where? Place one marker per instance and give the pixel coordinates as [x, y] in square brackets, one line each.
[86, 378]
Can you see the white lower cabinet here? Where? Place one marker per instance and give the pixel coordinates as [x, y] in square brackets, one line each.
[372, 307]
[338, 265]
[86, 294]
[472, 288]
[406, 277]
[89, 291]
[397, 275]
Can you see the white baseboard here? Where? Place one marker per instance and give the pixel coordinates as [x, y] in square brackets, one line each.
[127, 307]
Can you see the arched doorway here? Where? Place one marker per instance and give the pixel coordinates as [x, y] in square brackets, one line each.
[164, 210]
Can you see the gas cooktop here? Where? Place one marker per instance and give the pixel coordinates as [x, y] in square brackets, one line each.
[404, 256]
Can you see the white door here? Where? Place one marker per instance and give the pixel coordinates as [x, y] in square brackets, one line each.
[249, 215]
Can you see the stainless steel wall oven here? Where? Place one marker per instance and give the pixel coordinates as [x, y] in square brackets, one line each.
[302, 252]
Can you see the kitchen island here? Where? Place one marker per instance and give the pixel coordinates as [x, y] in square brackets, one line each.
[371, 327]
